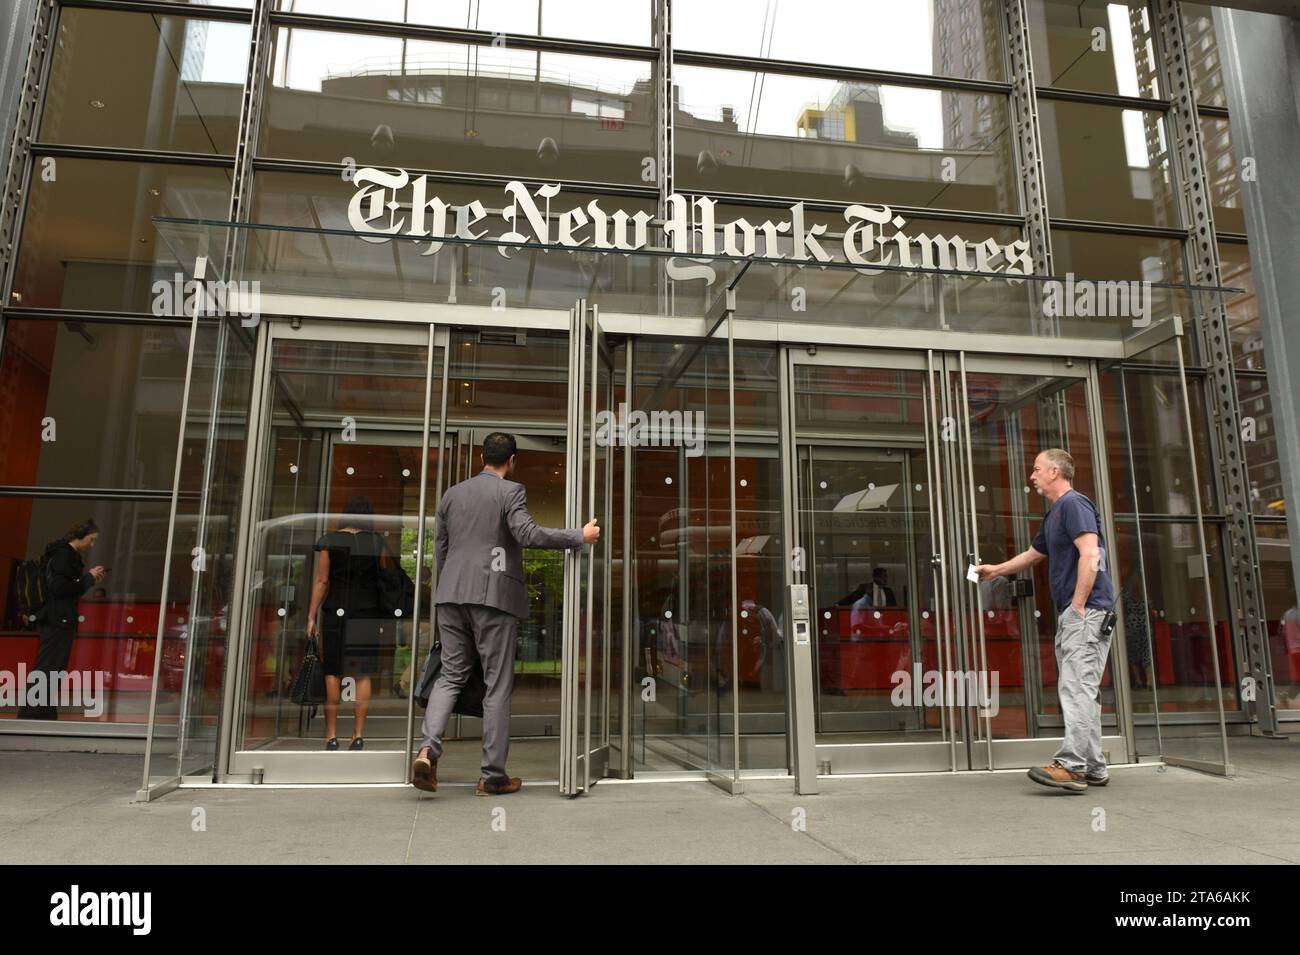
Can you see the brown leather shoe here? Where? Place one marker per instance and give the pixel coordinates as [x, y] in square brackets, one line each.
[424, 772]
[1058, 777]
[511, 785]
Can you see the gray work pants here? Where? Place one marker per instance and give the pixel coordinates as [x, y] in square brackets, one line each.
[467, 630]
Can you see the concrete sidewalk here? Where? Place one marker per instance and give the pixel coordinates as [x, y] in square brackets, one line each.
[76, 808]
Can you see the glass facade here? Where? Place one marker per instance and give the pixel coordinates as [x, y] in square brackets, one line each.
[865, 432]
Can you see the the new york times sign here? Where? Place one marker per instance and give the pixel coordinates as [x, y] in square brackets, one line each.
[392, 205]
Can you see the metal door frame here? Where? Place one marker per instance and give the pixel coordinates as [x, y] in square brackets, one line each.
[241, 765]
[582, 764]
[952, 509]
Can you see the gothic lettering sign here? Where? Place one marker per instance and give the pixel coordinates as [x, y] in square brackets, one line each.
[393, 205]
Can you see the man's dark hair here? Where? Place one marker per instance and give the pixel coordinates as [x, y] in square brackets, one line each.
[498, 448]
[82, 529]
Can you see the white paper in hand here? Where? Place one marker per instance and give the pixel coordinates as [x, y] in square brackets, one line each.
[972, 574]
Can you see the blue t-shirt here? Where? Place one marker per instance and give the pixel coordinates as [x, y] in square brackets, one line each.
[1072, 515]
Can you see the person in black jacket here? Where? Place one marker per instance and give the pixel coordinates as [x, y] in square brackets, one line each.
[346, 613]
[66, 580]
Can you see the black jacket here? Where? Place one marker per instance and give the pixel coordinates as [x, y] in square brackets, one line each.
[66, 581]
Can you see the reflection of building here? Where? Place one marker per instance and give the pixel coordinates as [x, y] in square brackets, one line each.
[195, 51]
[490, 88]
[853, 115]
[968, 42]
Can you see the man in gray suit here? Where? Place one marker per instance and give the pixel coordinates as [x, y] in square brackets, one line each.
[483, 527]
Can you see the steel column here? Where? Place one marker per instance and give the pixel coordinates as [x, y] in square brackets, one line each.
[1241, 559]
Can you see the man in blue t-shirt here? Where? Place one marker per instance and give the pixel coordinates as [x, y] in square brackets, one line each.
[1072, 543]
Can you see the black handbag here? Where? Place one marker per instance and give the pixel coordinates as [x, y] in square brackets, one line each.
[308, 688]
[470, 700]
[396, 588]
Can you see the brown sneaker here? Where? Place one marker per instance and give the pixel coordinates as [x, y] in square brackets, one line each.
[1058, 777]
[424, 772]
[511, 785]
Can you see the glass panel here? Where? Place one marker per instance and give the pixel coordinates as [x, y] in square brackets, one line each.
[88, 404]
[390, 101]
[1159, 453]
[1094, 45]
[1259, 436]
[864, 506]
[1168, 646]
[1183, 664]
[149, 82]
[1107, 164]
[624, 21]
[104, 662]
[960, 38]
[1242, 309]
[1277, 579]
[683, 539]
[192, 658]
[843, 140]
[1013, 418]
[1178, 607]
[594, 673]
[1203, 55]
[1112, 256]
[760, 570]
[1224, 175]
[519, 386]
[214, 3]
[88, 239]
[883, 293]
[340, 501]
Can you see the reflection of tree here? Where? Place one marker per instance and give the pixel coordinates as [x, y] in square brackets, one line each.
[543, 573]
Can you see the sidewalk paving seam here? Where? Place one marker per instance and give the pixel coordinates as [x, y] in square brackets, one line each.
[415, 821]
[847, 856]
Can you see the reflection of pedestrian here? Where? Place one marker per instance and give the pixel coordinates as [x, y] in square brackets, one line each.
[346, 589]
[1137, 635]
[995, 593]
[66, 580]
[1291, 639]
[756, 644]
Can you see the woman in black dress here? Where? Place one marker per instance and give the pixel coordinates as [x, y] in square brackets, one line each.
[352, 628]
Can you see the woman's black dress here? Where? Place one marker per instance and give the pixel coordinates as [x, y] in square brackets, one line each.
[351, 640]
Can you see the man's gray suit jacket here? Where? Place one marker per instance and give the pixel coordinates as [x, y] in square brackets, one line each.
[483, 528]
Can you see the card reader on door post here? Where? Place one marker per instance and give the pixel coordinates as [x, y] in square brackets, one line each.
[799, 613]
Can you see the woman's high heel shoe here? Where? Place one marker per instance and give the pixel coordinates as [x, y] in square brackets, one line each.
[357, 743]
[332, 743]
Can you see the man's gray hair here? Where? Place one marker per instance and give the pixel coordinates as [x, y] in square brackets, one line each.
[1060, 458]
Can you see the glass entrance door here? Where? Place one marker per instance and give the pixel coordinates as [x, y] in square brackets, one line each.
[908, 468]
[343, 464]
[358, 431]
